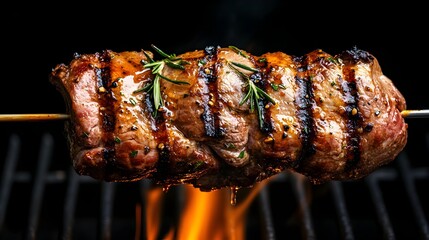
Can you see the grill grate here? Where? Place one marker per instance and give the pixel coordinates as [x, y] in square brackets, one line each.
[47, 201]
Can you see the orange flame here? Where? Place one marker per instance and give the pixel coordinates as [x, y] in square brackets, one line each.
[153, 212]
[206, 215]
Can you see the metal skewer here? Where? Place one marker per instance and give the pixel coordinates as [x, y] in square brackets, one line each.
[424, 113]
[33, 117]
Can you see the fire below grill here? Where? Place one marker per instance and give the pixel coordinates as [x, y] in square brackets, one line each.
[41, 197]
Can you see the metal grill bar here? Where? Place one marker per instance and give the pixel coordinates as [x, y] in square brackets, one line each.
[265, 211]
[42, 178]
[343, 215]
[408, 179]
[70, 205]
[46, 150]
[22, 177]
[380, 206]
[307, 222]
[107, 198]
[7, 175]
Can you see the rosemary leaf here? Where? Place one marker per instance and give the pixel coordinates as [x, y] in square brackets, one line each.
[245, 67]
[239, 51]
[265, 95]
[160, 52]
[254, 95]
[146, 88]
[157, 98]
[148, 57]
[151, 64]
[174, 65]
[173, 81]
[154, 88]
[246, 97]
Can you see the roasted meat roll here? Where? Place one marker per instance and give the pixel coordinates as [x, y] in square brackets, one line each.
[222, 117]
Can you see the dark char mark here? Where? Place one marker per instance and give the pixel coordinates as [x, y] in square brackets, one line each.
[159, 131]
[353, 139]
[208, 72]
[260, 79]
[354, 120]
[161, 136]
[103, 75]
[304, 103]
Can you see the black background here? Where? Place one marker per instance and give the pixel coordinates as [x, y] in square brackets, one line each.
[37, 36]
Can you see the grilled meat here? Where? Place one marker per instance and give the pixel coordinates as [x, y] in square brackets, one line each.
[331, 118]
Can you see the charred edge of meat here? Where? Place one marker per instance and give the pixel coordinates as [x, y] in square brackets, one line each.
[150, 107]
[228, 176]
[351, 58]
[159, 130]
[352, 123]
[304, 103]
[103, 76]
[208, 72]
[355, 55]
[244, 177]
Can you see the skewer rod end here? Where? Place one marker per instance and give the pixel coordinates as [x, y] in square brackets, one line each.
[424, 113]
[33, 117]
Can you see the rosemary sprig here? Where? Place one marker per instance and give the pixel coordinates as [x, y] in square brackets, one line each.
[154, 87]
[238, 51]
[254, 95]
